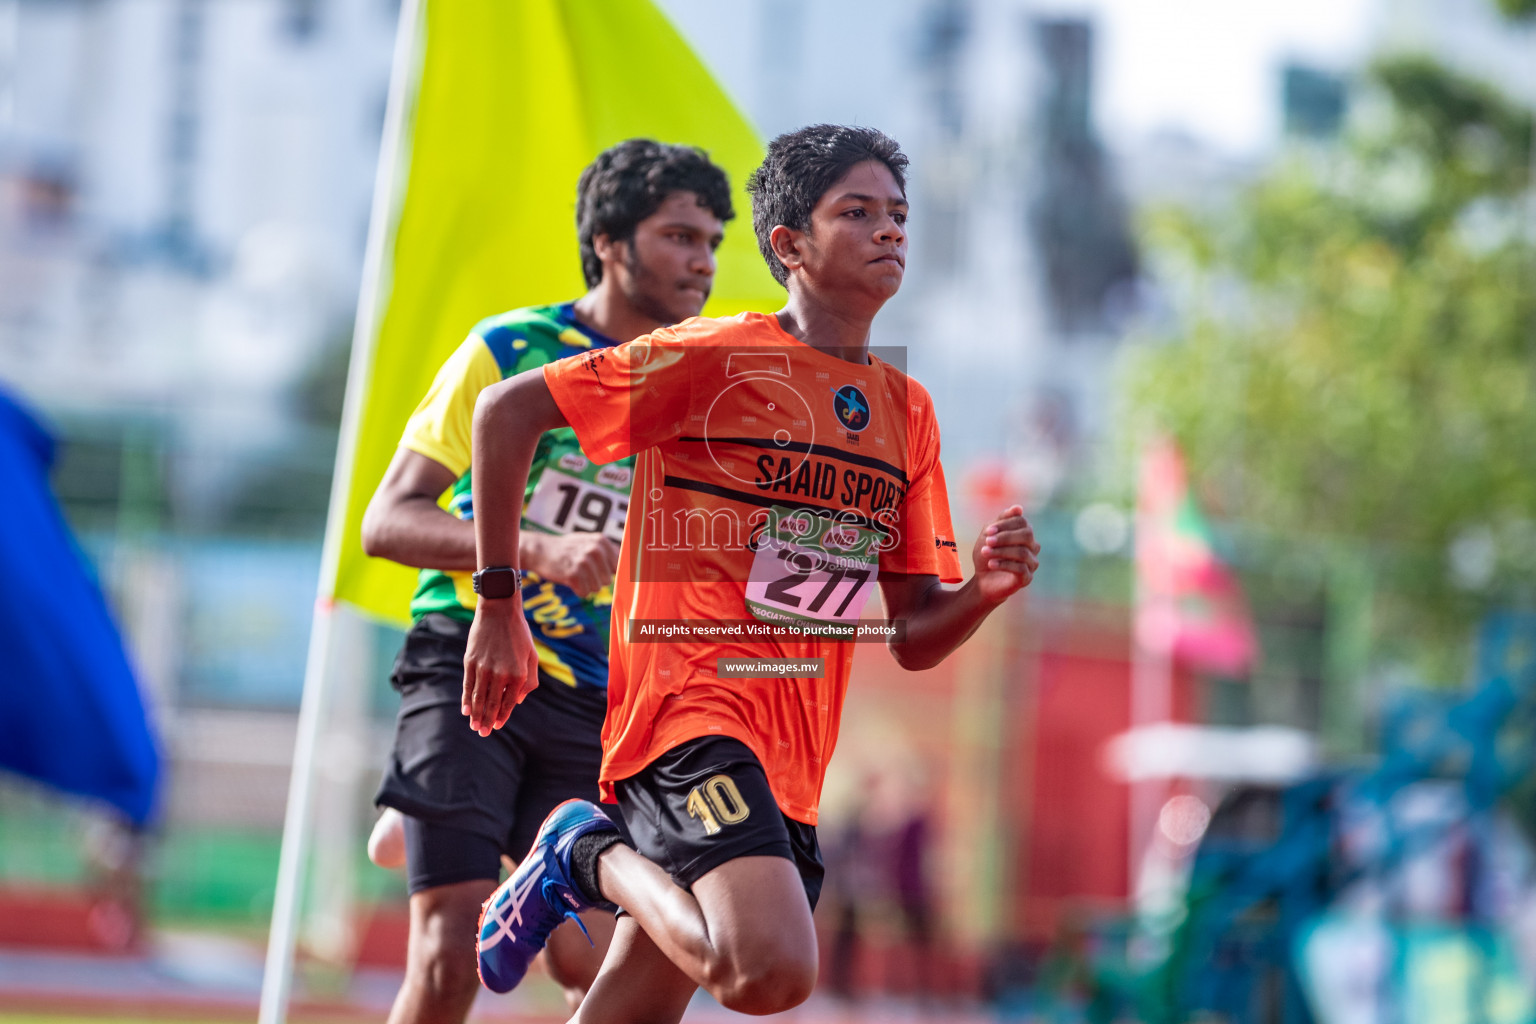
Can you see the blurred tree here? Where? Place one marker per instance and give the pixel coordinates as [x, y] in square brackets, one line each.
[1518, 8]
[1355, 360]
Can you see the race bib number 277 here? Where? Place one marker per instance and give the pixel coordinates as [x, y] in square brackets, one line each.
[811, 569]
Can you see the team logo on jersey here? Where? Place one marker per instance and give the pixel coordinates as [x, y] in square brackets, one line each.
[852, 408]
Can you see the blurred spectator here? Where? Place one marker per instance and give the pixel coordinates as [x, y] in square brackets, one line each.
[906, 858]
[853, 884]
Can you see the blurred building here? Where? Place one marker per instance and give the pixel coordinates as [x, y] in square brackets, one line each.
[1312, 101]
[184, 193]
[185, 188]
[1023, 270]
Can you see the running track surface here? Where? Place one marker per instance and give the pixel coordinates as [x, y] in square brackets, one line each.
[207, 978]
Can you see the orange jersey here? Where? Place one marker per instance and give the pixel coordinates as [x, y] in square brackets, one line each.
[773, 484]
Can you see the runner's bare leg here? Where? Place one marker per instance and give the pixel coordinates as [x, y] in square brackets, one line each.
[637, 985]
[572, 961]
[744, 934]
[440, 980]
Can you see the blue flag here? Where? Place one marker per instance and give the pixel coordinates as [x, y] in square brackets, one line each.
[70, 711]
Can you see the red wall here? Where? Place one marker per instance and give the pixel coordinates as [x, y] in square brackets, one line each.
[1069, 816]
[1072, 835]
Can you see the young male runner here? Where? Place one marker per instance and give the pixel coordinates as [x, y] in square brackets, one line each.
[781, 470]
[649, 217]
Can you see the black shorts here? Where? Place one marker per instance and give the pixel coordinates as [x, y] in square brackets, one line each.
[706, 802]
[477, 797]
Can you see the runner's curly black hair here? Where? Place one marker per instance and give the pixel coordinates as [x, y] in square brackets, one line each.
[799, 168]
[629, 181]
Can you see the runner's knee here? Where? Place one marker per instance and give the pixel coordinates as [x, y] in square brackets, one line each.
[764, 984]
[443, 963]
[441, 948]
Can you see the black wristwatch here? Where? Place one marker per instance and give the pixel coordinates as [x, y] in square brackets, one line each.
[497, 581]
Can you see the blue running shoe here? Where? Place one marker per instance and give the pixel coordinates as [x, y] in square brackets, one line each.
[517, 919]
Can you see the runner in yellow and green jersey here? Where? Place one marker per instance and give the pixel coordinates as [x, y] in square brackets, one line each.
[567, 492]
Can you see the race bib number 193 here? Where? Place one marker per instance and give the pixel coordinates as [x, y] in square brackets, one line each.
[592, 500]
[810, 569]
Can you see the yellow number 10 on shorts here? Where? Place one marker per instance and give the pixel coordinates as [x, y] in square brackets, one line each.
[717, 800]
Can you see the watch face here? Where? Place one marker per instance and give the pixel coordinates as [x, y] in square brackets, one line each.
[497, 583]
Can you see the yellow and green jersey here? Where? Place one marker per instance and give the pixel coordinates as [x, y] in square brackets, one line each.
[566, 493]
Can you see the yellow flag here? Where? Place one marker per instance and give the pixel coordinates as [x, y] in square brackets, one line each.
[513, 99]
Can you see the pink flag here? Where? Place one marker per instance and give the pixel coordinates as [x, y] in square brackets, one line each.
[1189, 605]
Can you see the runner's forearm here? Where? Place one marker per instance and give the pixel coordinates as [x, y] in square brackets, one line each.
[509, 418]
[417, 532]
[939, 623]
[420, 534]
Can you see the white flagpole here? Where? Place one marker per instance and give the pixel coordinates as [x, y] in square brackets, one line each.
[1151, 705]
[1151, 700]
[277, 980]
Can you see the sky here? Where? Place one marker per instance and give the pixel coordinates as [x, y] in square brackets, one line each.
[1210, 68]
[1207, 68]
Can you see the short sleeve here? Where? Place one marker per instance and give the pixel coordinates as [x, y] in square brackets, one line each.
[925, 544]
[627, 398]
[440, 427]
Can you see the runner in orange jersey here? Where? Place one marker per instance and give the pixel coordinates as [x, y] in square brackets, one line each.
[783, 470]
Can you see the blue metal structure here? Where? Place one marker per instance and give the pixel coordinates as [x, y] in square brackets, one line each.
[1273, 860]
